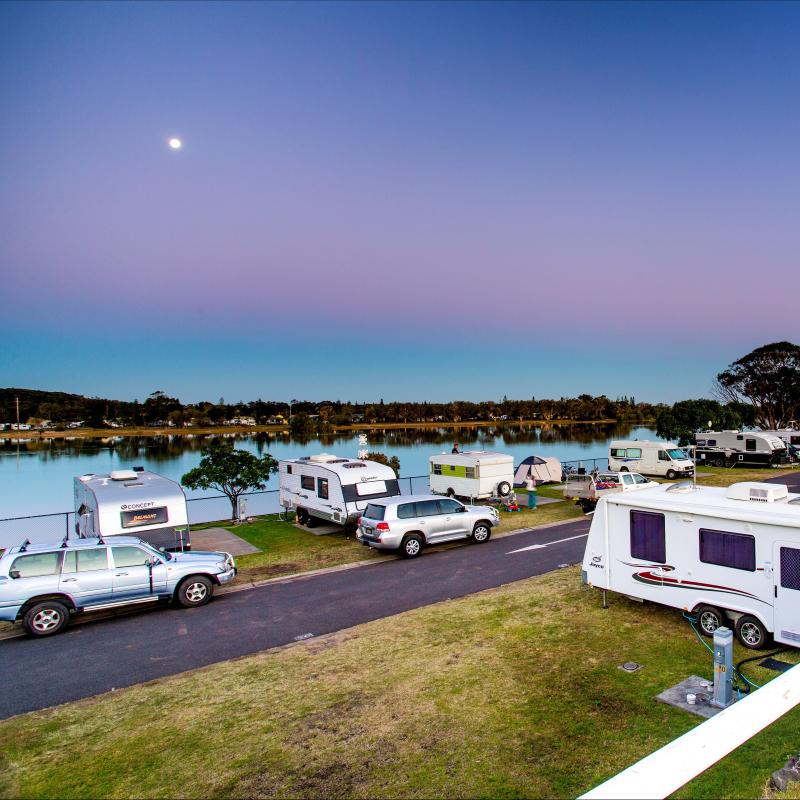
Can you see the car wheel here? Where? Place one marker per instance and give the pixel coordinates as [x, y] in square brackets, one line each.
[302, 516]
[411, 546]
[195, 591]
[46, 618]
[503, 488]
[481, 532]
[709, 619]
[670, 474]
[751, 633]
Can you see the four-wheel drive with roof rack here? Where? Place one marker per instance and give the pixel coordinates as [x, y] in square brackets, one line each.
[43, 585]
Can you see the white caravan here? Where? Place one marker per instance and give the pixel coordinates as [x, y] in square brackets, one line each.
[721, 554]
[731, 448]
[786, 435]
[132, 502]
[325, 487]
[473, 474]
[649, 458]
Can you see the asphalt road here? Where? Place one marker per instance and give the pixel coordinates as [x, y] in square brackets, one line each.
[96, 657]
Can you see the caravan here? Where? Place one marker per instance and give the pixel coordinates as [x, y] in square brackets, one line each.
[721, 554]
[324, 487]
[475, 474]
[649, 458]
[132, 502]
[740, 448]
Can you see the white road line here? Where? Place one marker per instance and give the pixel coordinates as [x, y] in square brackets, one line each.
[547, 544]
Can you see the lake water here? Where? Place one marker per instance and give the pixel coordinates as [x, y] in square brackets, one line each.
[36, 476]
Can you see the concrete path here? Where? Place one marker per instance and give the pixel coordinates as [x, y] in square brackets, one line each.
[221, 539]
[96, 656]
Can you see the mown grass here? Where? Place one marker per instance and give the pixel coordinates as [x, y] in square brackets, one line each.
[514, 692]
[723, 476]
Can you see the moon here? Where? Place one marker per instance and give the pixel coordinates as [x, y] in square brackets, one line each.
[175, 144]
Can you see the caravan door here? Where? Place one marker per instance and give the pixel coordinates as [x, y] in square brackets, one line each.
[787, 592]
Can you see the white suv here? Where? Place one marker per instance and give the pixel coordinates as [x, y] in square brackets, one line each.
[410, 523]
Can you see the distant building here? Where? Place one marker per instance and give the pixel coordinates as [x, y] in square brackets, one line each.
[77, 424]
[277, 419]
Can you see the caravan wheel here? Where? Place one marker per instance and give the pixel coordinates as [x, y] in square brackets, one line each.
[709, 619]
[302, 516]
[751, 633]
[504, 488]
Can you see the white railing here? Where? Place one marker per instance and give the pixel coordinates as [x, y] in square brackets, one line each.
[661, 773]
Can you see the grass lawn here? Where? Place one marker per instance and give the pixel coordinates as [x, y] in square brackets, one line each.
[287, 549]
[722, 476]
[514, 692]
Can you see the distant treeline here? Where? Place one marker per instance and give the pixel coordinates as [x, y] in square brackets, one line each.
[60, 409]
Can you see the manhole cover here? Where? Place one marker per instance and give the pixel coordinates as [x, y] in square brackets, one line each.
[631, 666]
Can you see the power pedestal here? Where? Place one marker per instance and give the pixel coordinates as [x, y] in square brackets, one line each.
[723, 668]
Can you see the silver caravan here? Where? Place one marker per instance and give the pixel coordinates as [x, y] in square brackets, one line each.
[728, 556]
[325, 487]
[132, 502]
[739, 448]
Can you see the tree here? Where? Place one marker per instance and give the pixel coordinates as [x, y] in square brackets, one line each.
[230, 471]
[769, 378]
[393, 462]
[687, 417]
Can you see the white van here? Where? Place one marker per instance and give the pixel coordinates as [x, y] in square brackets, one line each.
[474, 474]
[649, 458]
[727, 555]
[325, 487]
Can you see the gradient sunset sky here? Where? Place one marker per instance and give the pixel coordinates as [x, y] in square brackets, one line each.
[410, 201]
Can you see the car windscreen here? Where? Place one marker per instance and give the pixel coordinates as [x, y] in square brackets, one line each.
[374, 511]
[678, 455]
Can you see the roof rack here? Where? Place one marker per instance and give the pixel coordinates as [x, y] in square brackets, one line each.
[64, 541]
[24, 546]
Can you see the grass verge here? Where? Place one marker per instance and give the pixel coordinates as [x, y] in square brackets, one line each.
[514, 692]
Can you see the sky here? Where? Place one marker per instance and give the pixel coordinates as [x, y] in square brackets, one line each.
[408, 201]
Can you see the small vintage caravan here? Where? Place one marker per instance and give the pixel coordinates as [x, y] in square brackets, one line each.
[132, 502]
[472, 474]
[649, 458]
[729, 554]
[325, 487]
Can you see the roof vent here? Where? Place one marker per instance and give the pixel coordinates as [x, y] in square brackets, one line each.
[682, 488]
[87, 477]
[323, 458]
[122, 475]
[758, 492]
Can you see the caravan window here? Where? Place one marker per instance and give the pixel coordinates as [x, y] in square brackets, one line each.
[790, 568]
[322, 488]
[437, 469]
[288, 469]
[648, 541]
[617, 452]
[634, 452]
[470, 472]
[750, 445]
[307, 482]
[733, 550]
[370, 487]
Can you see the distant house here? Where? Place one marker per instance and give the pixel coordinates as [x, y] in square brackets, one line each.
[277, 419]
[241, 421]
[77, 424]
[21, 426]
[357, 418]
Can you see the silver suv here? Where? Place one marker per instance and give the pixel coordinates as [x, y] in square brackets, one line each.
[42, 585]
[410, 523]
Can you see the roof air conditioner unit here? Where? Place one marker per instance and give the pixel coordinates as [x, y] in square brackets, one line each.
[123, 475]
[758, 492]
[323, 458]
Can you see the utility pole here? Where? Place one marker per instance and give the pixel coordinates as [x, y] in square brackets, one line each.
[17, 399]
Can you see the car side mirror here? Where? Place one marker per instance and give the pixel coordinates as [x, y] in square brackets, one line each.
[13, 573]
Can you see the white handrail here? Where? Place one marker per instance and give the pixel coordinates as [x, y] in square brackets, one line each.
[661, 773]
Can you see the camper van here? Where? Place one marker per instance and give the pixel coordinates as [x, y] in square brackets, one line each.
[649, 458]
[325, 487]
[132, 502]
[473, 474]
[746, 448]
[728, 556]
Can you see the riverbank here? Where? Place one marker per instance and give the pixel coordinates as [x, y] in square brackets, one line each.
[103, 433]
